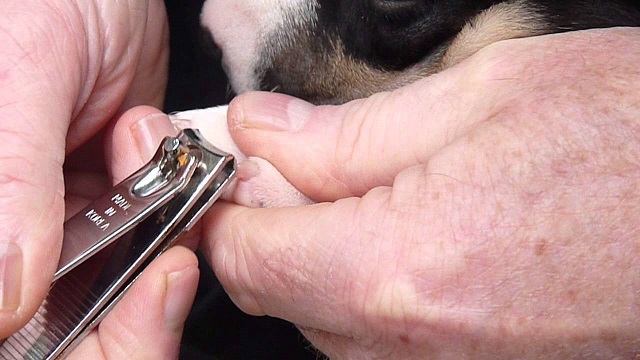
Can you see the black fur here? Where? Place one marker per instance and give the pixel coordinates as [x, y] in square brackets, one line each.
[392, 35]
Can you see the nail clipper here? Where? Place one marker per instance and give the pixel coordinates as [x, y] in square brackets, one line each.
[109, 243]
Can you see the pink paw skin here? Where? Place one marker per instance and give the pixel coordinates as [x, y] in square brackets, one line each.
[258, 183]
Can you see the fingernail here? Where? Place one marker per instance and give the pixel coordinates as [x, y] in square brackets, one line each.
[181, 286]
[269, 111]
[10, 276]
[149, 132]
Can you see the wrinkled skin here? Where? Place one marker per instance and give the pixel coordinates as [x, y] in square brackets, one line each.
[66, 69]
[490, 211]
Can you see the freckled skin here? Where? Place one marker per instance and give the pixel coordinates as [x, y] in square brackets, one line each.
[541, 247]
[506, 228]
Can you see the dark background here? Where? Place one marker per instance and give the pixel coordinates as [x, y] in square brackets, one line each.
[216, 329]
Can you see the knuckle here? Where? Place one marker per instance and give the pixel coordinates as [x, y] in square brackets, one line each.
[536, 61]
[497, 61]
[390, 305]
[231, 263]
[262, 273]
[359, 139]
[381, 295]
[230, 259]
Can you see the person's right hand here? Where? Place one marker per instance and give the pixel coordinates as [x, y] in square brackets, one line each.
[66, 68]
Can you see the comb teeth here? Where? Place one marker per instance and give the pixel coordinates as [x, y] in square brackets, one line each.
[62, 314]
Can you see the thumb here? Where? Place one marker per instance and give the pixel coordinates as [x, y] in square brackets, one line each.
[349, 149]
[148, 322]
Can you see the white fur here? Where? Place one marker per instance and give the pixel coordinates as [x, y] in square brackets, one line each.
[265, 27]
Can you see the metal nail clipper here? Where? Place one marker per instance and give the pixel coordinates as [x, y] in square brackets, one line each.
[108, 244]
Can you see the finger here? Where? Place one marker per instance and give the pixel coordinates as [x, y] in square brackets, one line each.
[352, 261]
[346, 150]
[150, 79]
[132, 142]
[134, 139]
[284, 261]
[259, 182]
[83, 186]
[148, 322]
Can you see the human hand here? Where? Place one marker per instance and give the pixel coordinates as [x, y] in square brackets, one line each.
[489, 211]
[67, 67]
[147, 323]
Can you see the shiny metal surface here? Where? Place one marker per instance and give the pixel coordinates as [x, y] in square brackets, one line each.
[185, 177]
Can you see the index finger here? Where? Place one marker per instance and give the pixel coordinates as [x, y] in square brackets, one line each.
[284, 261]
